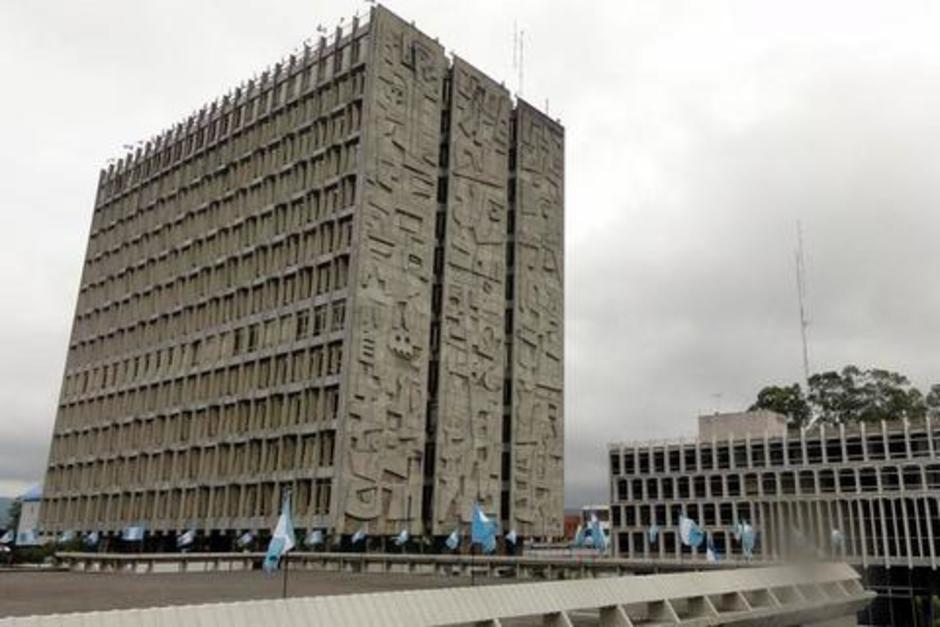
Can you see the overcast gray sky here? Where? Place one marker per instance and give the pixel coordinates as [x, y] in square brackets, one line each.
[698, 133]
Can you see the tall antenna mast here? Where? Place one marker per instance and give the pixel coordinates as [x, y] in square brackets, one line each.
[517, 56]
[801, 294]
[521, 58]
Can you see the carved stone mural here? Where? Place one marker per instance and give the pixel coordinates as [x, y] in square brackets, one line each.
[382, 434]
[538, 326]
[470, 397]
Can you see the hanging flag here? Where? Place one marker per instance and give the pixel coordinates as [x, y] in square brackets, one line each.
[402, 538]
[482, 530]
[8, 537]
[91, 539]
[653, 533]
[65, 537]
[600, 540]
[27, 538]
[453, 540]
[579, 536]
[245, 540]
[736, 531]
[360, 535]
[711, 553]
[186, 539]
[314, 537]
[133, 534]
[838, 539]
[512, 536]
[748, 539]
[690, 533]
[282, 540]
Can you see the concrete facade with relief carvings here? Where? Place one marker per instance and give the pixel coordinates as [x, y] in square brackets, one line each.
[344, 279]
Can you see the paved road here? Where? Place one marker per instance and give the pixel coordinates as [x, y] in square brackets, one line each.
[26, 593]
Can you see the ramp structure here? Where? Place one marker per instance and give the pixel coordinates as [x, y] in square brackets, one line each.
[824, 595]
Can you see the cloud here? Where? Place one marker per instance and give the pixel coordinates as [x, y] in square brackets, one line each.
[697, 134]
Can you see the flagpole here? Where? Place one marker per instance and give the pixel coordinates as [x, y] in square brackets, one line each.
[286, 555]
[286, 569]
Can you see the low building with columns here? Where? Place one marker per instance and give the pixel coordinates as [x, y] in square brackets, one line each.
[868, 494]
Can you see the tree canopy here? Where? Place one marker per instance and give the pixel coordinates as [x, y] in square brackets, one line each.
[850, 395]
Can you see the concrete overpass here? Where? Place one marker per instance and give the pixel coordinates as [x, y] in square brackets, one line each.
[819, 595]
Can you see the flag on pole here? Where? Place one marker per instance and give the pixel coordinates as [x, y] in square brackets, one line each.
[711, 553]
[482, 530]
[282, 540]
[512, 537]
[133, 534]
[91, 540]
[838, 539]
[402, 538]
[690, 533]
[653, 533]
[600, 540]
[360, 535]
[579, 536]
[314, 537]
[186, 539]
[453, 540]
[8, 537]
[245, 540]
[748, 539]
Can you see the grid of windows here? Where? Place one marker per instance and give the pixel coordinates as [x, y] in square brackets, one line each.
[205, 358]
[877, 484]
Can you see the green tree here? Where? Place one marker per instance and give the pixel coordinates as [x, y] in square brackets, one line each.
[932, 401]
[787, 400]
[851, 395]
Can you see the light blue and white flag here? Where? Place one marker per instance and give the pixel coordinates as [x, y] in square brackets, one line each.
[282, 540]
[65, 537]
[453, 540]
[8, 537]
[579, 536]
[838, 539]
[748, 539]
[652, 534]
[245, 539]
[482, 530]
[314, 537]
[512, 537]
[711, 553]
[186, 539]
[600, 540]
[690, 533]
[736, 530]
[91, 539]
[360, 535]
[27, 538]
[402, 538]
[133, 534]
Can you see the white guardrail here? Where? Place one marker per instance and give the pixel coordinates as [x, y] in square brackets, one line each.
[826, 594]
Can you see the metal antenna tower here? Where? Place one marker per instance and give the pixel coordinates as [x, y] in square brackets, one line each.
[517, 55]
[801, 295]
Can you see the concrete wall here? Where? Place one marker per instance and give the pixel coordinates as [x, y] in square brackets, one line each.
[385, 387]
[537, 323]
[741, 424]
[469, 408]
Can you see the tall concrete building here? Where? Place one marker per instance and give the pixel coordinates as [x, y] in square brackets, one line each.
[344, 278]
[876, 485]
